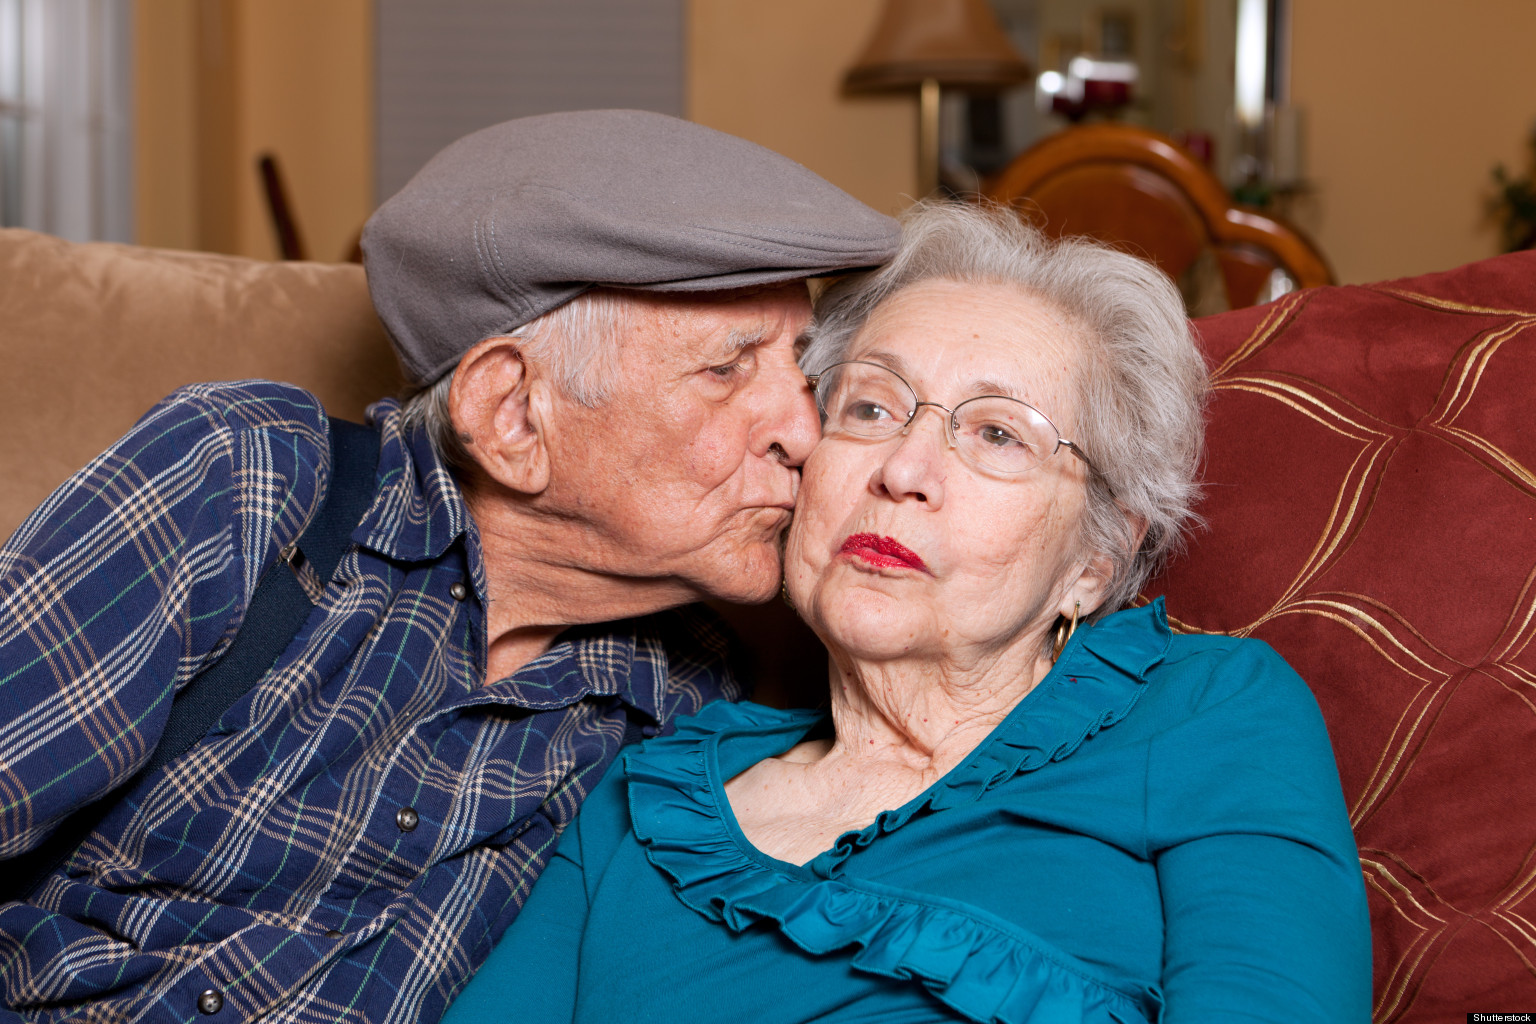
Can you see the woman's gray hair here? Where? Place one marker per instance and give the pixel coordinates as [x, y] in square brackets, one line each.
[1142, 387]
[578, 343]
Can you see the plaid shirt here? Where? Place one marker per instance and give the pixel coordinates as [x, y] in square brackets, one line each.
[350, 839]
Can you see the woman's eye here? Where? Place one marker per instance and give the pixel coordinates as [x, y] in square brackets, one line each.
[998, 436]
[868, 412]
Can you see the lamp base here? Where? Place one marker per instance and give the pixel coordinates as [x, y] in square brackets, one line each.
[928, 138]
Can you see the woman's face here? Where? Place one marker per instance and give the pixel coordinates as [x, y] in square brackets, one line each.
[981, 564]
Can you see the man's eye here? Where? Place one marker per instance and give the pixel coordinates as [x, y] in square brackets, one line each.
[733, 369]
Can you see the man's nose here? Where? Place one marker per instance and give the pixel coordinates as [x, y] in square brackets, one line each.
[790, 424]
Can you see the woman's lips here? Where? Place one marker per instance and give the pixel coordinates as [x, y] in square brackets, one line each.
[884, 552]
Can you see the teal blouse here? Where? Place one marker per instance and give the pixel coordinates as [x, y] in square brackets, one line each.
[1155, 833]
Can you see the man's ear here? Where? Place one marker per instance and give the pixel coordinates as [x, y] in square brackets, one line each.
[497, 407]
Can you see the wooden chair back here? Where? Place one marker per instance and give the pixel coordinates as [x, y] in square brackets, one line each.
[1128, 185]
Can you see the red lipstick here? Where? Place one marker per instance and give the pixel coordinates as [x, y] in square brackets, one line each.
[884, 552]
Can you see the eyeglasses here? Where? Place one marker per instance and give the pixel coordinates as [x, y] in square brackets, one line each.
[1003, 435]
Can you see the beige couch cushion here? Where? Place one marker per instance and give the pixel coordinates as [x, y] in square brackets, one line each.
[92, 335]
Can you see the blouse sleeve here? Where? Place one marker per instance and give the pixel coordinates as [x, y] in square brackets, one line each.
[1263, 899]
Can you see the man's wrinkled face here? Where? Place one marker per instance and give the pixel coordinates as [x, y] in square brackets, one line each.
[689, 472]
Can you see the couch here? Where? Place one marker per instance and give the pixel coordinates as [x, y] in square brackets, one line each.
[1371, 513]
[93, 335]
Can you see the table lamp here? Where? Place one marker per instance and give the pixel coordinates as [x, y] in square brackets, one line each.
[931, 44]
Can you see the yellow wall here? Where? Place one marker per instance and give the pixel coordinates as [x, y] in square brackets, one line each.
[1410, 103]
[309, 99]
[165, 119]
[770, 71]
[221, 81]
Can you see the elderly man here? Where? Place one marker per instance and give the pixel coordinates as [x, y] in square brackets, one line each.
[601, 309]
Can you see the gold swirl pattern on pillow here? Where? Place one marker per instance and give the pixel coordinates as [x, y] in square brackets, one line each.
[1371, 498]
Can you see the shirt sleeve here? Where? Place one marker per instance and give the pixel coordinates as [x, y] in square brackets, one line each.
[134, 576]
[1263, 899]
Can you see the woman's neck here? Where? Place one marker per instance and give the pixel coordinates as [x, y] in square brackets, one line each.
[923, 715]
[900, 727]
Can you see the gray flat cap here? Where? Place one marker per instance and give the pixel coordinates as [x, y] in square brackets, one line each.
[510, 222]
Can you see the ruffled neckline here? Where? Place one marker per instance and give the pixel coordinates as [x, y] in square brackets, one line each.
[982, 967]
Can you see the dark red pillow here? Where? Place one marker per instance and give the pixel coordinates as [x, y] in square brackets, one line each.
[1371, 499]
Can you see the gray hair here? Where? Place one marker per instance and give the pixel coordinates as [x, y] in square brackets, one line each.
[1142, 387]
[579, 345]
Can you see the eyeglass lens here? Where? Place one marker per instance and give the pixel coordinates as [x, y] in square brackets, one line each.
[1001, 434]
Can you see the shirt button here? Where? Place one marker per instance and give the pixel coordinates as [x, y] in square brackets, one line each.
[459, 591]
[211, 1001]
[407, 819]
[332, 933]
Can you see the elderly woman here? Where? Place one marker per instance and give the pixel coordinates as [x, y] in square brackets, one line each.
[1020, 803]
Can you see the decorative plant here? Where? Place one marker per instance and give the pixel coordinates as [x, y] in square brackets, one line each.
[1515, 205]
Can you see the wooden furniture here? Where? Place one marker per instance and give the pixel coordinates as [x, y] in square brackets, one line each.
[1124, 184]
[289, 244]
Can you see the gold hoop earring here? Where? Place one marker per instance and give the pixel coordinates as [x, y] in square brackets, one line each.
[1064, 631]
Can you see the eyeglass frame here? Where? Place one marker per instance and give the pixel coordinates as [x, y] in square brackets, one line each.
[952, 424]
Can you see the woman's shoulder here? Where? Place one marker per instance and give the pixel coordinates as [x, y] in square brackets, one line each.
[1206, 671]
[1214, 680]
[1228, 735]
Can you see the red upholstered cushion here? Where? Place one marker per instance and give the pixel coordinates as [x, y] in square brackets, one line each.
[1371, 484]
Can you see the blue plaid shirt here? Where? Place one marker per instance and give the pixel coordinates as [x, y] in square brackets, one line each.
[350, 839]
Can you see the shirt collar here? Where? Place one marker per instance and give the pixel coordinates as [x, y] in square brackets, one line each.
[419, 512]
[612, 659]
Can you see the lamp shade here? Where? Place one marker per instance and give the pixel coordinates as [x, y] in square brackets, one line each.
[952, 42]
